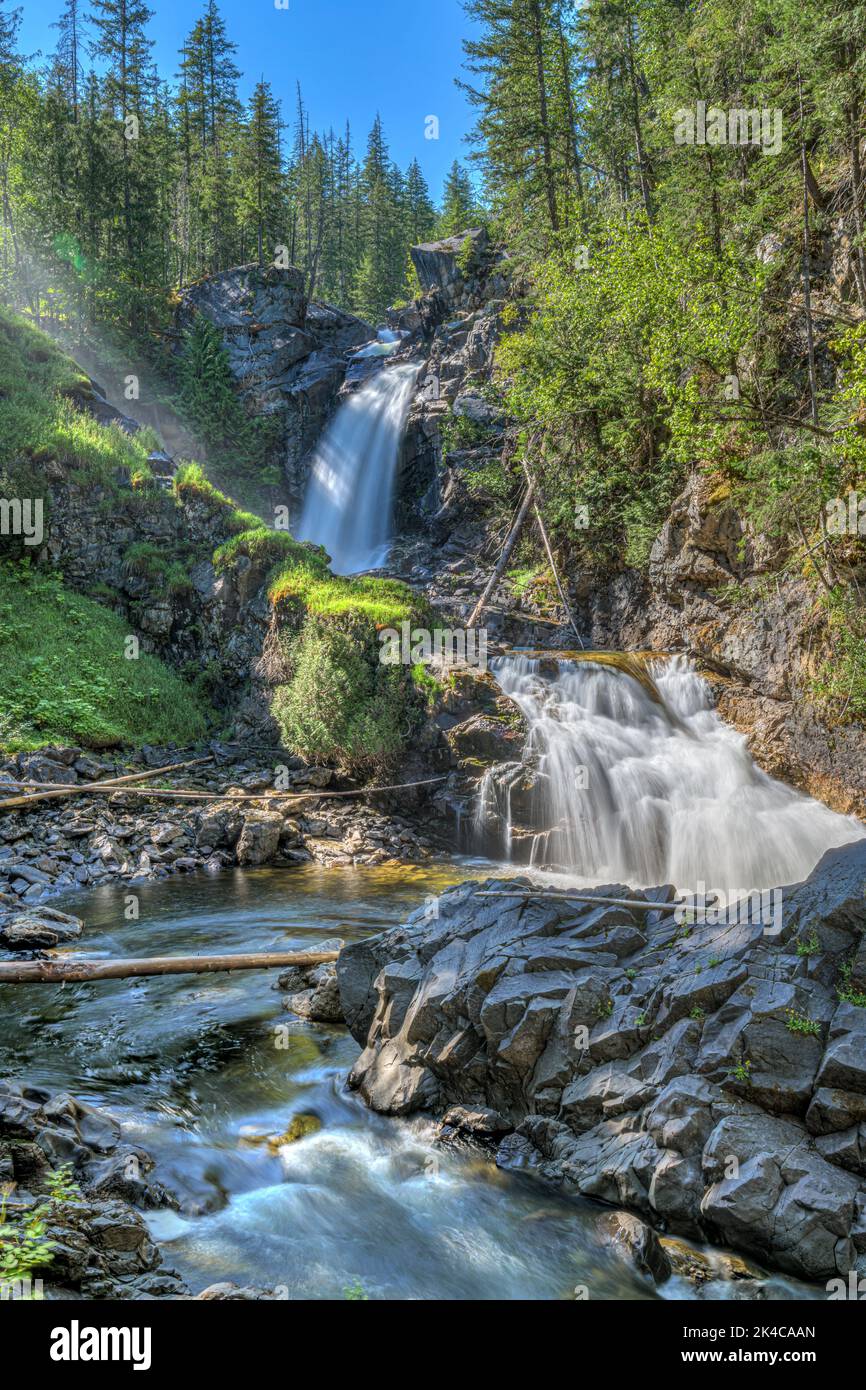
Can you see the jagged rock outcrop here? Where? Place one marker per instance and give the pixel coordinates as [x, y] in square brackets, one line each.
[709, 1078]
[287, 355]
[711, 591]
[95, 1243]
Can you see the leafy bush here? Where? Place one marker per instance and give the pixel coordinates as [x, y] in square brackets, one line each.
[342, 705]
[620, 369]
[24, 1243]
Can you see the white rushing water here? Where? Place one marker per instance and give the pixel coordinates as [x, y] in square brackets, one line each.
[629, 790]
[348, 506]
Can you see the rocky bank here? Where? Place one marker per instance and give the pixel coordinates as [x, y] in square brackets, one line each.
[64, 846]
[710, 1079]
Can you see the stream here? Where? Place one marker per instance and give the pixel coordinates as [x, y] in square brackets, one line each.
[191, 1067]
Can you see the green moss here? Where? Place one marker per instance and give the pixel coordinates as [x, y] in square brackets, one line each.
[384, 602]
[267, 548]
[64, 675]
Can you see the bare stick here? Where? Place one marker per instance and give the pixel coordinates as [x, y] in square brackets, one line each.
[566, 897]
[178, 794]
[99, 787]
[505, 556]
[54, 972]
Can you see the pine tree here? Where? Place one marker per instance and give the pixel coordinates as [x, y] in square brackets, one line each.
[261, 206]
[379, 278]
[459, 208]
[420, 212]
[526, 148]
[209, 111]
[127, 93]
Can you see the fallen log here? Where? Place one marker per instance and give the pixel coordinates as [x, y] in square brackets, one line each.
[179, 794]
[566, 897]
[539, 521]
[56, 972]
[65, 789]
[499, 568]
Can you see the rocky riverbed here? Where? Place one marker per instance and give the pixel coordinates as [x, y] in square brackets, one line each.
[61, 846]
[709, 1078]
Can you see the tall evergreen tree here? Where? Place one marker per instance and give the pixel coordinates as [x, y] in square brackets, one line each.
[262, 200]
[459, 207]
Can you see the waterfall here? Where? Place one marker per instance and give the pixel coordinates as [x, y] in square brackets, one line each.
[616, 787]
[348, 504]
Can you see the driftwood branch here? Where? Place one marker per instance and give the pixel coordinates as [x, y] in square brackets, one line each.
[54, 972]
[57, 791]
[504, 557]
[179, 794]
[640, 903]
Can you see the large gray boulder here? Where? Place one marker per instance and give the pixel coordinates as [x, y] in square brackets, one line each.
[710, 1080]
[288, 355]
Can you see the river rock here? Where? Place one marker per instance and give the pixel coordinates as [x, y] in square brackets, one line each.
[100, 1247]
[259, 838]
[662, 1076]
[32, 931]
[638, 1242]
[313, 992]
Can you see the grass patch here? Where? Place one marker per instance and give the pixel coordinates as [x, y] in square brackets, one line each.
[64, 676]
[39, 421]
[265, 547]
[384, 602]
[153, 563]
[845, 990]
[192, 484]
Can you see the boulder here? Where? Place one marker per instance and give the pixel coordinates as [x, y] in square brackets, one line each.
[259, 839]
[720, 1098]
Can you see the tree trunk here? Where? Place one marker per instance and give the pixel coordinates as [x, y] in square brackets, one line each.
[56, 972]
[508, 547]
[549, 185]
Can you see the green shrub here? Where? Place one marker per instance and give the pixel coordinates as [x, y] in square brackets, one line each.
[801, 1023]
[342, 705]
[238, 443]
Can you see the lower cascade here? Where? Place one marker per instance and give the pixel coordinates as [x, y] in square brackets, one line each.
[616, 786]
[348, 506]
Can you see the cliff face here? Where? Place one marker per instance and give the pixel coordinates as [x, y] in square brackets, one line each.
[762, 648]
[714, 587]
[288, 355]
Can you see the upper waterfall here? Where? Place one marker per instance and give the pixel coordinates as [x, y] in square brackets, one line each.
[348, 505]
[626, 789]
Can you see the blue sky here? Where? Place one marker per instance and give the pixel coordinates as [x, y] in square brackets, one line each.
[352, 58]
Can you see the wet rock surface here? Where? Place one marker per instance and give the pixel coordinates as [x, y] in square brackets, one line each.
[709, 1079]
[71, 1164]
[63, 846]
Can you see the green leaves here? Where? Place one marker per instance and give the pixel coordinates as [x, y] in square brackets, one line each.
[623, 365]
